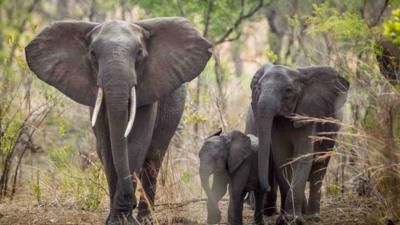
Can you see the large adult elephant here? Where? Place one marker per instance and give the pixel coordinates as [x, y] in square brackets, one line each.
[122, 70]
[278, 93]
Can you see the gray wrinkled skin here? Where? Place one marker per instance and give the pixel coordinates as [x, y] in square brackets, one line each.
[155, 56]
[231, 159]
[278, 93]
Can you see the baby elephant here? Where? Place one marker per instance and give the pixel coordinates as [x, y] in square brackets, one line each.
[232, 159]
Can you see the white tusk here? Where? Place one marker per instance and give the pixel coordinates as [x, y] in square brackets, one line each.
[132, 112]
[97, 106]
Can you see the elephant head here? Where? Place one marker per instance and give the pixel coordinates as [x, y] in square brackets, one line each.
[221, 155]
[278, 91]
[120, 65]
[140, 61]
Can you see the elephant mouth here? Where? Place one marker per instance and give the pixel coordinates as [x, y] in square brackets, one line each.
[132, 110]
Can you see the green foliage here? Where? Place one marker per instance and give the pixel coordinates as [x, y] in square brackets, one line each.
[85, 187]
[61, 157]
[392, 26]
[194, 118]
[271, 56]
[9, 135]
[334, 189]
[370, 120]
[186, 177]
[35, 187]
[347, 29]
[223, 12]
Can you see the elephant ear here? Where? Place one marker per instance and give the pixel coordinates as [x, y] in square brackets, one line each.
[58, 56]
[176, 54]
[324, 92]
[240, 149]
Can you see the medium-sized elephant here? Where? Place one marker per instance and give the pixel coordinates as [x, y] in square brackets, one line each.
[232, 159]
[278, 94]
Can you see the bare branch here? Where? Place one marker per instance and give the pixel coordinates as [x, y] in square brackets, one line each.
[180, 8]
[207, 17]
[242, 16]
[238, 34]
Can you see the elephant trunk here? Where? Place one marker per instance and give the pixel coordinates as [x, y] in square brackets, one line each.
[266, 110]
[116, 96]
[213, 213]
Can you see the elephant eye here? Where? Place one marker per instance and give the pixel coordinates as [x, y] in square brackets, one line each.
[139, 53]
[289, 90]
[92, 53]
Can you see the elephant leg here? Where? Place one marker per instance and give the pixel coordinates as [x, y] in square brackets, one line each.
[235, 208]
[281, 149]
[317, 175]
[237, 193]
[283, 189]
[258, 208]
[169, 113]
[301, 166]
[283, 179]
[148, 179]
[103, 148]
[271, 196]
[110, 173]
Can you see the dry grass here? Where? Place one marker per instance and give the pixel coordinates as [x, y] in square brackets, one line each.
[180, 200]
[347, 209]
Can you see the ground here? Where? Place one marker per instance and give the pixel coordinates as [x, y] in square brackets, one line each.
[346, 209]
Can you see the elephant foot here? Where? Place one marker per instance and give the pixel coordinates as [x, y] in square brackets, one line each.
[270, 211]
[260, 222]
[312, 217]
[146, 221]
[144, 214]
[285, 219]
[213, 217]
[121, 219]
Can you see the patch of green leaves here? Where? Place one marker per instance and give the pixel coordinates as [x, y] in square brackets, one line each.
[35, 187]
[392, 26]
[347, 28]
[186, 177]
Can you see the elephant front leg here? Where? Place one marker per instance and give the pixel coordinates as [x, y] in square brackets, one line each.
[258, 209]
[300, 167]
[271, 196]
[103, 148]
[317, 174]
[235, 208]
[149, 182]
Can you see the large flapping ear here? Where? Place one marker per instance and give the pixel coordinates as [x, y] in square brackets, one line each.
[240, 149]
[176, 54]
[58, 56]
[324, 92]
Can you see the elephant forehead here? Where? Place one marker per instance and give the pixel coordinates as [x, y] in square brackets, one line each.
[212, 143]
[212, 146]
[120, 31]
[276, 76]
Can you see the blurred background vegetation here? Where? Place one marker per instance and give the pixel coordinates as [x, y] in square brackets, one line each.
[47, 149]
